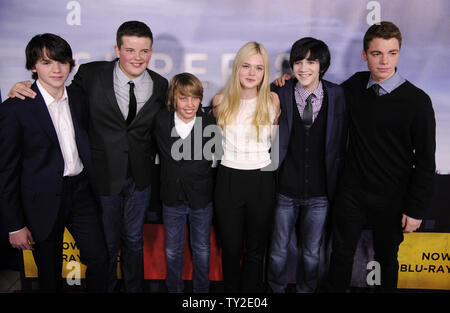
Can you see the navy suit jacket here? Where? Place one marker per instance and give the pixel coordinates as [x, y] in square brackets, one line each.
[31, 161]
[336, 133]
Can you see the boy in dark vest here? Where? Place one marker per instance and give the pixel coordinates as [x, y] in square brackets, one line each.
[312, 134]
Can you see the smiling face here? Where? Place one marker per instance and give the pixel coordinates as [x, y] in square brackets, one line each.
[307, 72]
[186, 107]
[134, 54]
[382, 57]
[251, 72]
[52, 74]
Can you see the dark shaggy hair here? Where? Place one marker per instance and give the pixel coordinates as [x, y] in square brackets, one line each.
[50, 46]
[318, 51]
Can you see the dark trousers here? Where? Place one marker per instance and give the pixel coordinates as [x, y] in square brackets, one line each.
[354, 210]
[123, 220]
[79, 213]
[244, 203]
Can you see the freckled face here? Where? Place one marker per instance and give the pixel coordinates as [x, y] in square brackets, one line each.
[187, 107]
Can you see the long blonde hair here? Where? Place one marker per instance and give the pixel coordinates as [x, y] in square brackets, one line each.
[229, 104]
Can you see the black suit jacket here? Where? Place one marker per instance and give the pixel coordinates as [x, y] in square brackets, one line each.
[112, 142]
[187, 176]
[336, 133]
[31, 161]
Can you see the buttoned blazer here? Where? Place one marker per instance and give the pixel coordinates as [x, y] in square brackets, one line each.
[114, 144]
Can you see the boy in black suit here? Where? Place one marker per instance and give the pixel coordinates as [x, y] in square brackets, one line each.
[45, 169]
[187, 180]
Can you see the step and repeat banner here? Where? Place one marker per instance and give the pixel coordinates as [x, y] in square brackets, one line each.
[202, 37]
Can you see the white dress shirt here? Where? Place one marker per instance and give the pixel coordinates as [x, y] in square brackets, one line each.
[62, 121]
[183, 128]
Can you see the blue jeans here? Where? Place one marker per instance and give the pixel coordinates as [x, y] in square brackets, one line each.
[174, 219]
[312, 214]
[123, 221]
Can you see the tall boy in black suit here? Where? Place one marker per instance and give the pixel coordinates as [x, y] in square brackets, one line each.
[45, 169]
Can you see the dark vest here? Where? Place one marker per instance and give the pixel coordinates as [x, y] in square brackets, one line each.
[303, 173]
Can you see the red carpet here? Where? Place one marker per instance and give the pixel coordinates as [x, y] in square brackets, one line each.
[155, 259]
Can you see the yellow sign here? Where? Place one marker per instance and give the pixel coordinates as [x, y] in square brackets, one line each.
[70, 253]
[424, 261]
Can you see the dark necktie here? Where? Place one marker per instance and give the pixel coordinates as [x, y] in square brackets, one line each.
[308, 112]
[132, 105]
[376, 89]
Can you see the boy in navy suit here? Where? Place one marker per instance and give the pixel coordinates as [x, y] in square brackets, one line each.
[187, 179]
[45, 169]
[312, 134]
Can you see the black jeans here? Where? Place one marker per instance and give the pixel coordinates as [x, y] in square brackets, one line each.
[354, 210]
[80, 214]
[244, 204]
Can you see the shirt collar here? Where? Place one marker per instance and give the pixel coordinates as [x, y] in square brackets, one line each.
[123, 79]
[178, 121]
[48, 99]
[389, 84]
[304, 94]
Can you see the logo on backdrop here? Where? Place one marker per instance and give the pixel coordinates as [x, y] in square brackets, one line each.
[74, 15]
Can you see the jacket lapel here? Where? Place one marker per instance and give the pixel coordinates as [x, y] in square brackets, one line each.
[172, 129]
[155, 93]
[76, 115]
[43, 115]
[331, 119]
[107, 77]
[81, 136]
[290, 104]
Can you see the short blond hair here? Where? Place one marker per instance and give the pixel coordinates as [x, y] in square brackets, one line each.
[185, 84]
